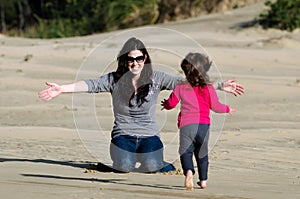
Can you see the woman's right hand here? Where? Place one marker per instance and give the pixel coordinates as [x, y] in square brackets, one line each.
[53, 91]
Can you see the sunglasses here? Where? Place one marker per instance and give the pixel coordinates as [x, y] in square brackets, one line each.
[138, 59]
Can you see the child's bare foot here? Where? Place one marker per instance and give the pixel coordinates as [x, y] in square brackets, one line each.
[189, 185]
[202, 184]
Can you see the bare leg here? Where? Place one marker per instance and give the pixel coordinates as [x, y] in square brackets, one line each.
[189, 185]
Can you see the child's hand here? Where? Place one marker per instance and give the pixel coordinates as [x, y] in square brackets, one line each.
[231, 110]
[163, 104]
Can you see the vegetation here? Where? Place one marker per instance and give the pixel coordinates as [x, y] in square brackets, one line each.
[62, 18]
[283, 14]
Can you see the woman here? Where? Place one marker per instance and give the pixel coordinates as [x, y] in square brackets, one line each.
[134, 87]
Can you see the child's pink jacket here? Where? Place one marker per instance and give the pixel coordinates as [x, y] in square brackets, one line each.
[196, 103]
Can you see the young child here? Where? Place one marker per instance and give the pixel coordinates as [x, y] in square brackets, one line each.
[197, 96]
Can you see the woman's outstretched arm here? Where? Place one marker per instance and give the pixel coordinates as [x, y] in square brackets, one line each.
[169, 82]
[55, 90]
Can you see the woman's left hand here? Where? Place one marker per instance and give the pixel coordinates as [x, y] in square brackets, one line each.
[231, 86]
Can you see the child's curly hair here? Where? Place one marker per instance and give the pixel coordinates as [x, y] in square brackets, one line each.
[195, 67]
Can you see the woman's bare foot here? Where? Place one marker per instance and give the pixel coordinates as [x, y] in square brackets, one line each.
[188, 183]
[202, 184]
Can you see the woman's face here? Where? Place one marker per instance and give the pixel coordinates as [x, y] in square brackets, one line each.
[135, 61]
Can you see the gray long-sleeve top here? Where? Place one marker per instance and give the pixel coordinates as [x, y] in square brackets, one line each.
[137, 120]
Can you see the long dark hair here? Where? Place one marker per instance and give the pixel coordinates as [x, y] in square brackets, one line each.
[195, 67]
[145, 80]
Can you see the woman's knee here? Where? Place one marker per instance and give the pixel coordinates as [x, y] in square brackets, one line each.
[152, 165]
[124, 165]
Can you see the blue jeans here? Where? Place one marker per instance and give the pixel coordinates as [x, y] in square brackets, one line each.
[194, 141]
[126, 151]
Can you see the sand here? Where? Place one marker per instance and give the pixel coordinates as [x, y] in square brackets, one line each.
[256, 156]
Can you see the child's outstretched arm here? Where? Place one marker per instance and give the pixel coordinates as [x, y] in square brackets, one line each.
[215, 104]
[171, 102]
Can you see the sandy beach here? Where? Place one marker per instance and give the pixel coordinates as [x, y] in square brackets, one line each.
[257, 155]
